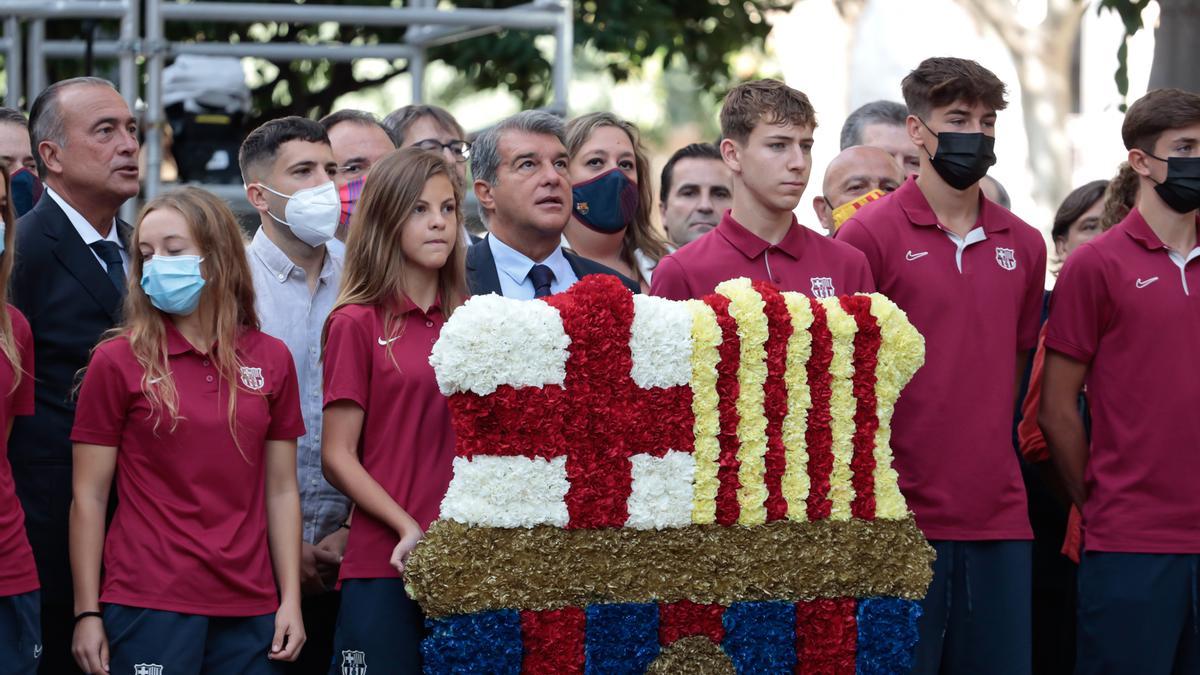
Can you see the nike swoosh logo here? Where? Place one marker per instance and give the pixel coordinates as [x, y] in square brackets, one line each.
[1142, 284]
[384, 343]
[910, 256]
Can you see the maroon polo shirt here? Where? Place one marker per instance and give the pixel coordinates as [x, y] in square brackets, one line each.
[407, 443]
[978, 302]
[190, 531]
[1129, 308]
[803, 261]
[18, 573]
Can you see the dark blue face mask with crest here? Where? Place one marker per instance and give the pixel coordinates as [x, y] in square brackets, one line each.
[606, 203]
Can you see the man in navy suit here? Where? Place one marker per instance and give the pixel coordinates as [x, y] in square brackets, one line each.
[69, 280]
[524, 193]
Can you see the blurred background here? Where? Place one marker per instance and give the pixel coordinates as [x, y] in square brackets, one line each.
[1070, 65]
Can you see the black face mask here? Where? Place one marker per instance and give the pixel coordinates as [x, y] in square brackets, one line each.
[962, 159]
[1181, 189]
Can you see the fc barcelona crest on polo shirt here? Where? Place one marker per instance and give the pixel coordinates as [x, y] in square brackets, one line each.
[1006, 258]
[147, 669]
[252, 378]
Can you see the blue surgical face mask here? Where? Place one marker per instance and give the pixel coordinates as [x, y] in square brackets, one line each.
[606, 203]
[173, 283]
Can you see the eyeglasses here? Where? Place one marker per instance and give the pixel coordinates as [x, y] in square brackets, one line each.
[460, 149]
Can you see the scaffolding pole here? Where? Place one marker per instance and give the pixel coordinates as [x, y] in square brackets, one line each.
[13, 62]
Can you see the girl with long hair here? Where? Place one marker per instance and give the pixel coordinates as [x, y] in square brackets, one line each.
[613, 196]
[387, 441]
[197, 413]
[20, 602]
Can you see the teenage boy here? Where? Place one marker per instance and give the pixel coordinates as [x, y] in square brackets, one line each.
[1125, 320]
[767, 130]
[970, 276]
[289, 166]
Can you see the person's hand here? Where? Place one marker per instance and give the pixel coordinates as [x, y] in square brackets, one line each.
[406, 545]
[89, 645]
[289, 633]
[329, 553]
[310, 575]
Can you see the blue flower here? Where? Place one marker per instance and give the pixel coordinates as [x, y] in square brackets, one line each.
[760, 637]
[621, 638]
[484, 642]
[887, 633]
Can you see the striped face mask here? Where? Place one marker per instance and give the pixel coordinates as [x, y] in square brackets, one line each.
[349, 194]
[842, 213]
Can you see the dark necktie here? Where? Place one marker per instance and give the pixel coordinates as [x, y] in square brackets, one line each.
[110, 253]
[541, 276]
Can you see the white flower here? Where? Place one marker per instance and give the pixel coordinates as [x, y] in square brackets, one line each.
[662, 490]
[660, 342]
[494, 491]
[492, 341]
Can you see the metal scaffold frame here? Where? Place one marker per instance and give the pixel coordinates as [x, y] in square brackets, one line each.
[428, 27]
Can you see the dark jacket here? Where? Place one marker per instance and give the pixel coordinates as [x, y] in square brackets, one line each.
[483, 278]
[69, 300]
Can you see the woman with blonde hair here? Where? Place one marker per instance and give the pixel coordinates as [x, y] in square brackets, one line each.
[197, 413]
[613, 196]
[20, 597]
[387, 442]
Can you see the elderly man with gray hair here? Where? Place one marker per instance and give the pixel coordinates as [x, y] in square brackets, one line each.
[69, 281]
[520, 172]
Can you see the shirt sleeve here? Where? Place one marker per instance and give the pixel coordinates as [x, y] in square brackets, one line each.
[669, 281]
[103, 403]
[853, 232]
[1030, 322]
[1029, 434]
[1079, 306]
[22, 398]
[347, 369]
[287, 421]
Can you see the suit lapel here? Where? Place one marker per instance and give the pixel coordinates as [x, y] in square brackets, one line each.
[482, 276]
[79, 261]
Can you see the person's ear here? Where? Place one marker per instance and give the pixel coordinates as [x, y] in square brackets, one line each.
[731, 153]
[1140, 162]
[1060, 247]
[916, 130]
[257, 197]
[51, 155]
[824, 213]
[485, 195]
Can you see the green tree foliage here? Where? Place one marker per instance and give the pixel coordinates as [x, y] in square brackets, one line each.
[1130, 12]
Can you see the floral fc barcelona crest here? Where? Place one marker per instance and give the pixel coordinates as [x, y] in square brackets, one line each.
[1006, 258]
[252, 378]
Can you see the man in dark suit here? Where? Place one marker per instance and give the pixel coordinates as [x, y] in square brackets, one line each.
[69, 280]
[520, 172]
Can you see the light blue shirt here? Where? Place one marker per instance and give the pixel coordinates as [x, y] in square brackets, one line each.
[513, 267]
[289, 311]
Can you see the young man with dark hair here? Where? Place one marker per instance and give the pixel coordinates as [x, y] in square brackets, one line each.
[970, 276]
[288, 166]
[767, 129]
[696, 189]
[1124, 320]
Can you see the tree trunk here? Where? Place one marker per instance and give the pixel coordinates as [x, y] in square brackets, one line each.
[1174, 62]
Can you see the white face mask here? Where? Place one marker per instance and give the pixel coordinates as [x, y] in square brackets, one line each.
[312, 213]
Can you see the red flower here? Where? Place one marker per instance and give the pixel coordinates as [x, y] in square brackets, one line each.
[826, 636]
[866, 421]
[685, 618]
[819, 436]
[727, 392]
[553, 641]
[779, 327]
[501, 423]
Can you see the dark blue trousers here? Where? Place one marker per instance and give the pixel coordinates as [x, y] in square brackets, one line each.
[20, 633]
[976, 617]
[187, 644]
[379, 629]
[1138, 614]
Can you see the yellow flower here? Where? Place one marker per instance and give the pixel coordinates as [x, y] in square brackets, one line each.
[706, 337]
[747, 307]
[901, 353]
[795, 423]
[842, 406]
